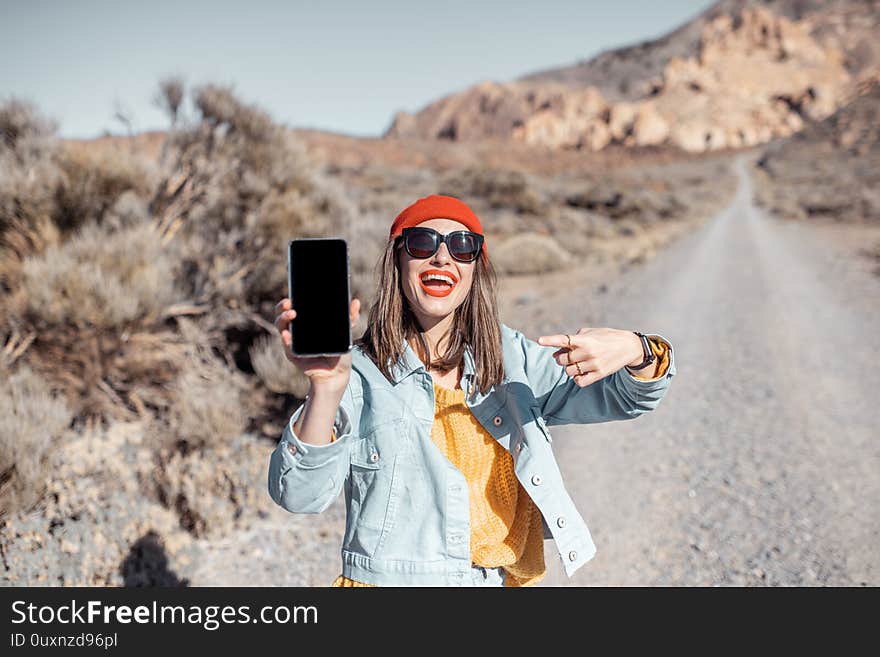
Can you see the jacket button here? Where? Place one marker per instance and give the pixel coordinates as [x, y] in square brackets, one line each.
[497, 420]
[560, 521]
[374, 457]
[291, 448]
[572, 555]
[536, 479]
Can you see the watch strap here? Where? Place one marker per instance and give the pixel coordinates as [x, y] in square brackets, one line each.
[646, 348]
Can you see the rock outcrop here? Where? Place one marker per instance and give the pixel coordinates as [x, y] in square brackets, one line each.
[752, 76]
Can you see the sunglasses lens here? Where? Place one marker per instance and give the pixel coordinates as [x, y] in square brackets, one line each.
[420, 244]
[463, 246]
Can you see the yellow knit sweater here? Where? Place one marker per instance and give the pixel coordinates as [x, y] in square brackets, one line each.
[506, 528]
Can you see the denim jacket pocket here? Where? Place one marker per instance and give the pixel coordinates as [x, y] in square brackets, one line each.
[372, 477]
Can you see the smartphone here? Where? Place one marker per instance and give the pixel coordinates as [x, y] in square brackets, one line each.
[318, 286]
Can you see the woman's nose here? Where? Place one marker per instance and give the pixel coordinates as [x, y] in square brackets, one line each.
[442, 256]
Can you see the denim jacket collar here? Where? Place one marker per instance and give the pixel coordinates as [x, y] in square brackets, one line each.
[411, 363]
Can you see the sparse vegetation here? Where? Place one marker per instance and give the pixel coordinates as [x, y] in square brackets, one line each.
[276, 372]
[830, 170]
[100, 278]
[33, 423]
[142, 287]
[498, 188]
[530, 253]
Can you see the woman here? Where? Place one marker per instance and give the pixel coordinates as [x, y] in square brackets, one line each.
[435, 424]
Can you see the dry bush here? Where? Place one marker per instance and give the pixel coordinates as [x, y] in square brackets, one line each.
[29, 176]
[129, 210]
[500, 189]
[206, 404]
[276, 372]
[23, 129]
[238, 188]
[45, 193]
[40, 181]
[211, 491]
[19, 240]
[169, 96]
[576, 230]
[202, 460]
[100, 279]
[530, 253]
[631, 199]
[93, 179]
[33, 423]
[219, 106]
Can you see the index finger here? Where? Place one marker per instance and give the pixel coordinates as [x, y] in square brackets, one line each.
[284, 304]
[554, 340]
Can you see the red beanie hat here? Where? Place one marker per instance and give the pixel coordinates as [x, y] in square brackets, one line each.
[437, 207]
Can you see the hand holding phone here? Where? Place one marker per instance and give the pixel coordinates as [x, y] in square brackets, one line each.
[331, 372]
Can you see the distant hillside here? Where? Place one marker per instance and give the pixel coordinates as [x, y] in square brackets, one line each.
[830, 169]
[739, 74]
[628, 73]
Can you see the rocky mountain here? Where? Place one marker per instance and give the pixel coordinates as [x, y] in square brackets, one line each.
[741, 73]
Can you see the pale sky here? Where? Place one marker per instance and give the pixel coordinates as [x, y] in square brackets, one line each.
[341, 66]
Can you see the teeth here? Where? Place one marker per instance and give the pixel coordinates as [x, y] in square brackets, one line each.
[438, 277]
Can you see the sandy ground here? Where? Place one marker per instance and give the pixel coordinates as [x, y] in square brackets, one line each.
[762, 464]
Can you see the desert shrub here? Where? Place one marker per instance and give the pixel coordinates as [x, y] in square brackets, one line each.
[220, 107]
[33, 422]
[530, 253]
[276, 372]
[240, 186]
[205, 464]
[100, 279]
[628, 198]
[93, 179]
[23, 129]
[20, 239]
[211, 490]
[575, 230]
[169, 96]
[500, 189]
[29, 175]
[129, 210]
[40, 180]
[207, 405]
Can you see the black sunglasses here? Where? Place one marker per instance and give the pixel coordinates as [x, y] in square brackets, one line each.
[421, 242]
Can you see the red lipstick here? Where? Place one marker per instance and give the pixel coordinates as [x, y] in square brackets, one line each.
[436, 288]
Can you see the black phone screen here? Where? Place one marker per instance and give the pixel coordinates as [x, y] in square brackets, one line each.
[319, 292]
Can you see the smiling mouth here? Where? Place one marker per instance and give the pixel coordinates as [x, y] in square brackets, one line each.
[436, 284]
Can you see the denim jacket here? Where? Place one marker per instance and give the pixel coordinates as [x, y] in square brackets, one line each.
[407, 513]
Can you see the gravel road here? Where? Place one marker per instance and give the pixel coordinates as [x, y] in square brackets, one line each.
[762, 464]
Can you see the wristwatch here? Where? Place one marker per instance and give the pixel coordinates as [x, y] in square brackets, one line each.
[649, 353]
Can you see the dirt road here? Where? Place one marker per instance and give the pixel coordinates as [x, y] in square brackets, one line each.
[762, 464]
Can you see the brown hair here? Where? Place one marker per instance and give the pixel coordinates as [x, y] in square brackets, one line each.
[476, 323]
